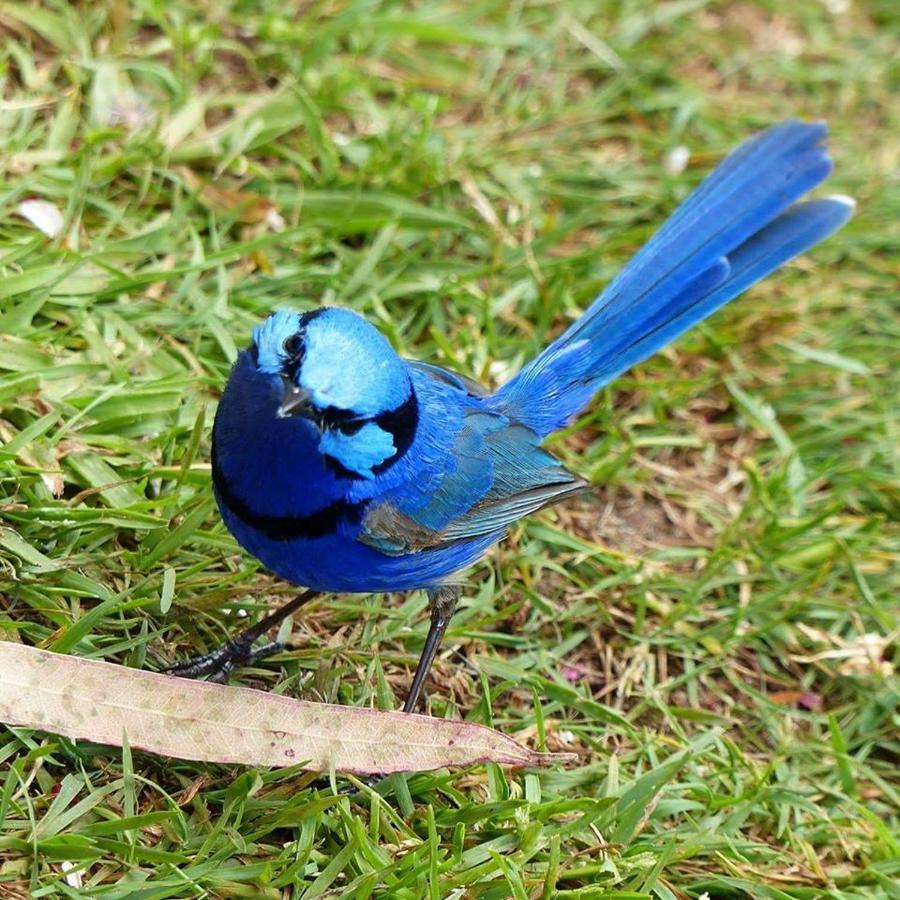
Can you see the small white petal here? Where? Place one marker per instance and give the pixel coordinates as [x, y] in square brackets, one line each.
[837, 7]
[675, 161]
[43, 215]
[274, 220]
[73, 879]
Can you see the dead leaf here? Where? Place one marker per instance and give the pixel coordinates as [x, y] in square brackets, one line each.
[865, 655]
[191, 791]
[803, 699]
[99, 701]
[246, 207]
[485, 210]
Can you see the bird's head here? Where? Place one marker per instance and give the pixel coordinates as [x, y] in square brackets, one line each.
[341, 376]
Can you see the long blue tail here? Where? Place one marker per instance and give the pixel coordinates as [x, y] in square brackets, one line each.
[742, 223]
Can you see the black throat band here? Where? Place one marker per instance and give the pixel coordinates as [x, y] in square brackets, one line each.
[322, 523]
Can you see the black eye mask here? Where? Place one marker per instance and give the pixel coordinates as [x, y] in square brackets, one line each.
[294, 345]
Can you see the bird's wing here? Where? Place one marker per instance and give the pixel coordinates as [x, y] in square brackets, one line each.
[454, 379]
[501, 474]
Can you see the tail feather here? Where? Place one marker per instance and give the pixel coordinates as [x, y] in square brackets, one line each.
[803, 226]
[731, 232]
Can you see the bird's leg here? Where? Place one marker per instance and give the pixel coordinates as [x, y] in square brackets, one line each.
[218, 663]
[443, 602]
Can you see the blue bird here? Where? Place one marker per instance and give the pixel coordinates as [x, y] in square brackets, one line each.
[346, 468]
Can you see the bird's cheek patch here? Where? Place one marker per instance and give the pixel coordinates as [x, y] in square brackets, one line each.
[359, 452]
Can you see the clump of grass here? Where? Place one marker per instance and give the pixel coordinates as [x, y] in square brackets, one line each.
[714, 632]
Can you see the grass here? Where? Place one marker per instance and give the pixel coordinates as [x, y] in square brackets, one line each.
[713, 631]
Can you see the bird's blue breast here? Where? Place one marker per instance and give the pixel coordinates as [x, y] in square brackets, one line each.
[271, 465]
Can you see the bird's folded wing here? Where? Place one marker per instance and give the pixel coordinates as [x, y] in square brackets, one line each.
[447, 376]
[501, 475]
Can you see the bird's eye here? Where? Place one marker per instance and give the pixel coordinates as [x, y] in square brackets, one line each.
[293, 346]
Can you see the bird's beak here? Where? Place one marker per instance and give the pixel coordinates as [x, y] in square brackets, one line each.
[297, 401]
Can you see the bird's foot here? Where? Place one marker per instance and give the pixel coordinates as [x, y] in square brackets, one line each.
[218, 664]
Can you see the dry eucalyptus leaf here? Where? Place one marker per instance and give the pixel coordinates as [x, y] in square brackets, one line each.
[100, 701]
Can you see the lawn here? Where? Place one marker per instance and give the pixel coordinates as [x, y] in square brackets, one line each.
[713, 631]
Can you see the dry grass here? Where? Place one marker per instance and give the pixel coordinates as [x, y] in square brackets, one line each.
[713, 631]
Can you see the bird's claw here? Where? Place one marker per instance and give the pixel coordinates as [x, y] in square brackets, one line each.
[218, 664]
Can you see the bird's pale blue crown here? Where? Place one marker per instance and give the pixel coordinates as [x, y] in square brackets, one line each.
[341, 373]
